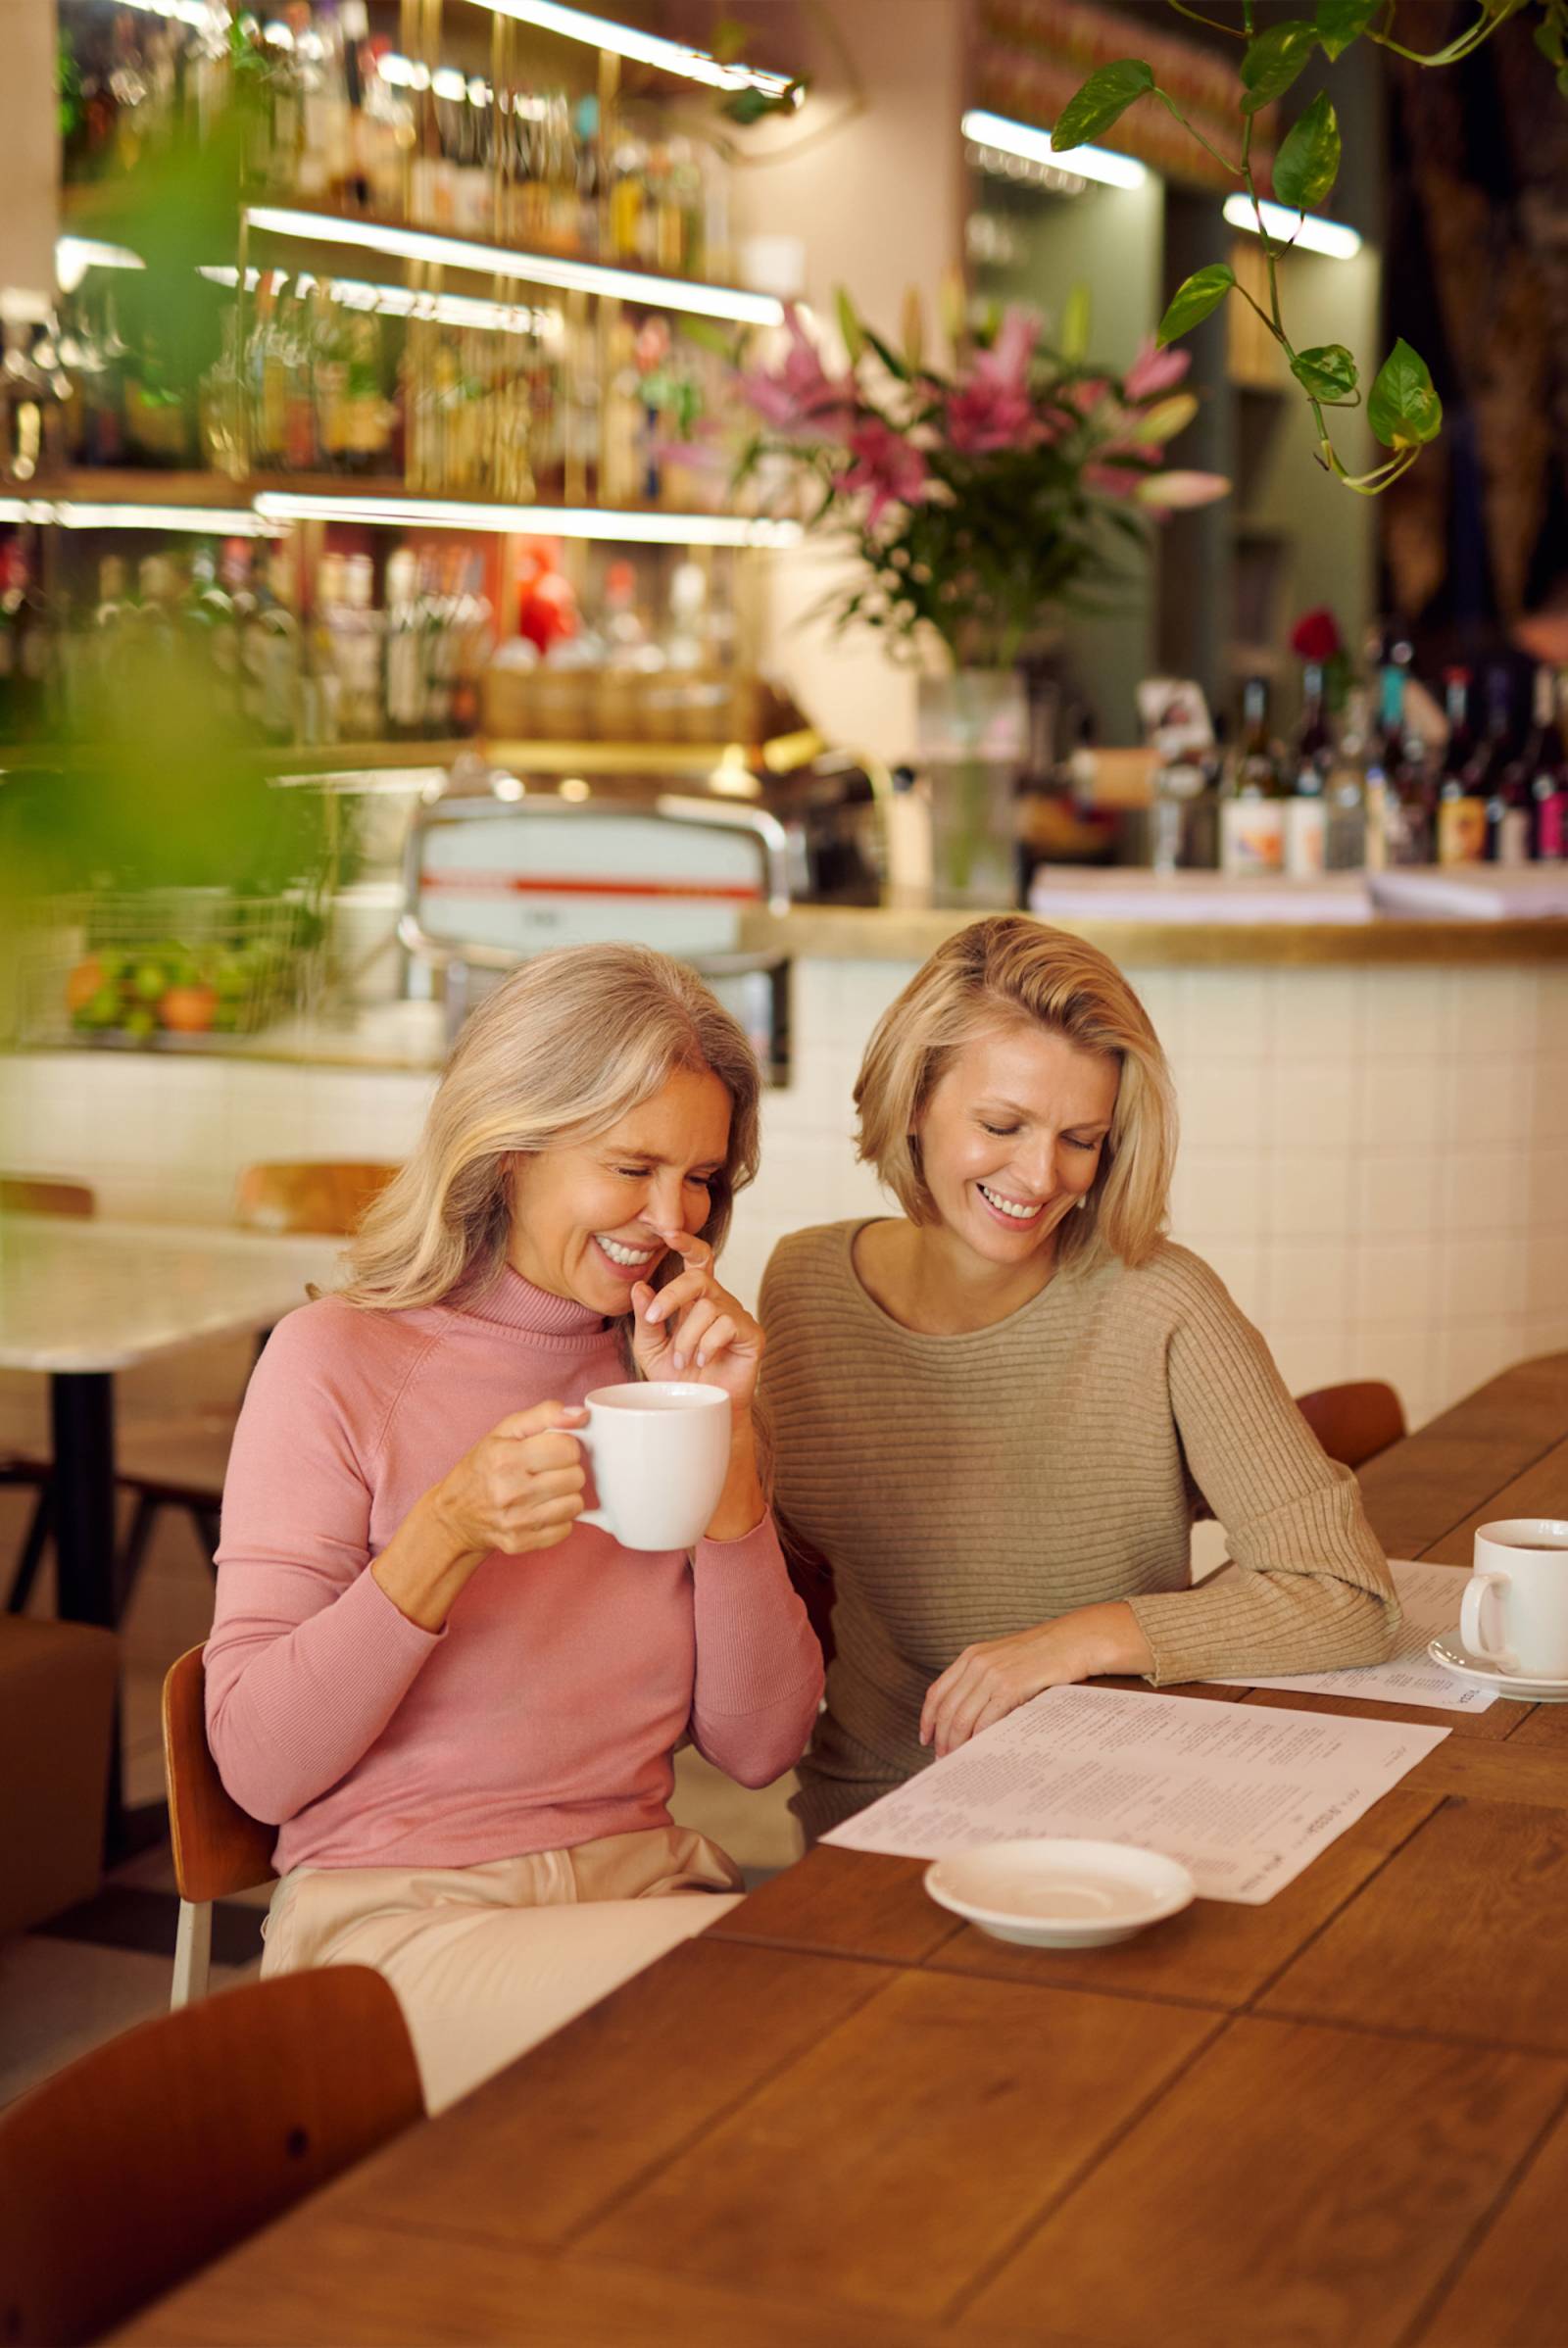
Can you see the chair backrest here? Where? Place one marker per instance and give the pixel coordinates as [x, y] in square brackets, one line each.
[159, 2151]
[1354, 1422]
[327, 1195]
[218, 1847]
[45, 1194]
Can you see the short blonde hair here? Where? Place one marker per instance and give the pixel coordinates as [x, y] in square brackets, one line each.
[1012, 971]
[560, 1052]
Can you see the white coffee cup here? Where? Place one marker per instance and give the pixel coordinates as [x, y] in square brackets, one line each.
[660, 1453]
[1520, 1587]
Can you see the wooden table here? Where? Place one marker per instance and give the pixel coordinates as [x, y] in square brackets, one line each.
[841, 2117]
[80, 1300]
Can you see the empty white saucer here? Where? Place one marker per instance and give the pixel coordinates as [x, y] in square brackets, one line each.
[1448, 1651]
[1055, 1891]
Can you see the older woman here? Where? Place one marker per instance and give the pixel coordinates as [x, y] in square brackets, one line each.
[459, 1705]
[994, 1415]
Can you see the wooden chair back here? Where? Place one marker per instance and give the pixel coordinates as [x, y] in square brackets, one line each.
[46, 1194]
[329, 1196]
[160, 2150]
[1354, 1422]
[218, 1847]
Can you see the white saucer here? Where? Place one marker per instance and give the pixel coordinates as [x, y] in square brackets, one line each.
[1475, 1668]
[1055, 1891]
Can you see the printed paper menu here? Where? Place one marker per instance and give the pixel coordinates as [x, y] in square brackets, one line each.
[1244, 1797]
[1431, 1597]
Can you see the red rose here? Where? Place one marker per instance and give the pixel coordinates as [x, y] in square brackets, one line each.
[1315, 635]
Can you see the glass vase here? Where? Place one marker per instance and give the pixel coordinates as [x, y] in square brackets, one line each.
[971, 740]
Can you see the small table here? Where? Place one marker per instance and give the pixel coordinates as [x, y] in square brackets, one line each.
[80, 1301]
[841, 2119]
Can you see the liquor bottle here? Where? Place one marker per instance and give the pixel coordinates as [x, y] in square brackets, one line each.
[1306, 809]
[362, 713]
[404, 650]
[435, 623]
[27, 646]
[330, 376]
[1461, 810]
[322, 696]
[1549, 788]
[1506, 781]
[300, 448]
[474, 633]
[1252, 805]
[208, 621]
[1345, 789]
[367, 423]
[266, 371]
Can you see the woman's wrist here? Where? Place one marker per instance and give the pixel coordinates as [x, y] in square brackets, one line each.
[1115, 1642]
[425, 1564]
[743, 1503]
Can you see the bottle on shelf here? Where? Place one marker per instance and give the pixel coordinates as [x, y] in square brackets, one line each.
[1253, 804]
[1345, 788]
[1461, 830]
[1542, 772]
[405, 649]
[1307, 809]
[27, 644]
[362, 708]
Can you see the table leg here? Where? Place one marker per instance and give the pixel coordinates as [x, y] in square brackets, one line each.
[83, 1406]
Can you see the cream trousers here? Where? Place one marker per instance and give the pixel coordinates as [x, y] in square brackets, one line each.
[488, 1960]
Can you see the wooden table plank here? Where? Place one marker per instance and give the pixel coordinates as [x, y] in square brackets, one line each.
[1452, 1938]
[1513, 2293]
[910, 2148]
[1515, 1772]
[1423, 1487]
[1544, 1728]
[324, 2280]
[1216, 1952]
[843, 1903]
[610, 2098]
[1299, 2187]
[1542, 1489]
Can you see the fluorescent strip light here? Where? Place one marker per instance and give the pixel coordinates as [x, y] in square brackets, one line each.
[534, 269]
[1034, 145]
[26, 508]
[1304, 230]
[647, 48]
[75, 256]
[207, 521]
[541, 522]
[398, 301]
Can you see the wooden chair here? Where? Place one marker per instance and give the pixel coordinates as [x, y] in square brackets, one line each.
[218, 1847]
[35, 1195]
[160, 2150]
[180, 1462]
[1355, 1423]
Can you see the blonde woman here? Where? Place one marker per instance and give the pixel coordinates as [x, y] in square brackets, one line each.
[994, 1415]
[458, 1705]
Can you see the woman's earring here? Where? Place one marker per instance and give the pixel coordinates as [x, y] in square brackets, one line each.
[1083, 1203]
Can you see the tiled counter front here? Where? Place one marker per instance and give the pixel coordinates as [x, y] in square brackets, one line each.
[1375, 1158]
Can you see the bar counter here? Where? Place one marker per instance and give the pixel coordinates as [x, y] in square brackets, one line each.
[1375, 1119]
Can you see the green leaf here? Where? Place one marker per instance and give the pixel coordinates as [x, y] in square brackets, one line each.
[850, 327]
[1075, 323]
[1325, 373]
[1549, 40]
[1404, 412]
[1308, 162]
[1273, 61]
[1341, 21]
[1192, 301]
[1103, 99]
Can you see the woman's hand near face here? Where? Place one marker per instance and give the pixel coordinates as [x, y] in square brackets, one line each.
[694, 1328]
[518, 1490]
[993, 1677]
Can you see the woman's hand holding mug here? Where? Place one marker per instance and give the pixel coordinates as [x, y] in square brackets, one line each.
[521, 1486]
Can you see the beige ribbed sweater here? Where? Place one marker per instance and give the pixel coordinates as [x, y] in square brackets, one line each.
[962, 1488]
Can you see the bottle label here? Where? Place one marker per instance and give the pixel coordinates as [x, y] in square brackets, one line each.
[1552, 828]
[1513, 836]
[1305, 838]
[1461, 831]
[1252, 835]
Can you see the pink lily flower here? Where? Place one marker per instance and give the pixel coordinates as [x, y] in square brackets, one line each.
[885, 465]
[991, 408]
[1174, 493]
[1154, 371]
[800, 398]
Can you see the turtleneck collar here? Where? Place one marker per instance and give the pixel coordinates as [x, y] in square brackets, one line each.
[515, 1304]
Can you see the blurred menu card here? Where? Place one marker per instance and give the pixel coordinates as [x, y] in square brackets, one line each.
[1245, 1798]
[1430, 1596]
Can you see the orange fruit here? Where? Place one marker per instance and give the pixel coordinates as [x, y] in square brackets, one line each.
[188, 1010]
[84, 982]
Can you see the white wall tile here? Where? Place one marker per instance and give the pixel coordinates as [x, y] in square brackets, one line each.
[1312, 1107]
[1219, 1195]
[1484, 1190]
[1229, 1014]
[1240, 1264]
[1399, 1105]
[1308, 1284]
[1222, 1107]
[1409, 1013]
[1319, 1015]
[1483, 1276]
[1393, 1284]
[1311, 1193]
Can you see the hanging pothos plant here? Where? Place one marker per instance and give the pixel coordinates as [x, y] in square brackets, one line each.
[1402, 407]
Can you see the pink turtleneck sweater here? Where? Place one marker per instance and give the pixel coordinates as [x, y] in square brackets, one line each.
[546, 1710]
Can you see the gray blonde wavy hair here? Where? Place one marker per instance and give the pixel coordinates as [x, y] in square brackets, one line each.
[1011, 971]
[558, 1053]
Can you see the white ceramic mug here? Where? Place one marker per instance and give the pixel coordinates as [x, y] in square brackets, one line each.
[660, 1453]
[1520, 1586]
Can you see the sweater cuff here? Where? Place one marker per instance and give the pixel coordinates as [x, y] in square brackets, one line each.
[395, 1641]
